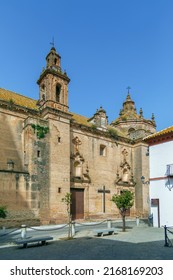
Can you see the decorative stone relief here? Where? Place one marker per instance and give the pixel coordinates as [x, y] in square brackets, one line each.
[77, 142]
[124, 173]
[79, 169]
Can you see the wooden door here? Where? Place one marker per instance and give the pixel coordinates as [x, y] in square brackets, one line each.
[128, 212]
[77, 206]
[155, 211]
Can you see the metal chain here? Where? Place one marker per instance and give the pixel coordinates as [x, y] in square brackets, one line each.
[9, 232]
[95, 224]
[50, 229]
[169, 231]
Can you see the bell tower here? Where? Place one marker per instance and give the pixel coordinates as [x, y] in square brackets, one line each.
[53, 83]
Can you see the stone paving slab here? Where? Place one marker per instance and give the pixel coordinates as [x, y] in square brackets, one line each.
[138, 243]
[139, 235]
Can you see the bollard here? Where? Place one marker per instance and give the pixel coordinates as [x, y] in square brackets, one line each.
[23, 231]
[166, 237]
[137, 221]
[109, 223]
[73, 228]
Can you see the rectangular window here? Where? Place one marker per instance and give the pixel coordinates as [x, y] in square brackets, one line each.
[102, 150]
[38, 154]
[59, 190]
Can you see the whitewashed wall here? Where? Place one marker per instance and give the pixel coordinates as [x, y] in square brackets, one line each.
[158, 190]
[160, 156]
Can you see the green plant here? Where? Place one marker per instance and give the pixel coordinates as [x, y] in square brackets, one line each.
[93, 127]
[11, 101]
[112, 133]
[11, 104]
[3, 212]
[123, 201]
[41, 130]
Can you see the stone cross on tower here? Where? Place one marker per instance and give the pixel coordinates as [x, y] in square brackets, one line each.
[104, 191]
[128, 88]
[52, 43]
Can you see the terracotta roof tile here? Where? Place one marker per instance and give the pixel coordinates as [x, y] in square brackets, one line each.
[160, 133]
[24, 101]
[81, 119]
[18, 99]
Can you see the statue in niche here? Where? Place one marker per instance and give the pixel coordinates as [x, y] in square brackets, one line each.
[77, 142]
[125, 177]
[77, 169]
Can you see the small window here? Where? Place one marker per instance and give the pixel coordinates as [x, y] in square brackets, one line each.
[43, 91]
[43, 97]
[58, 91]
[38, 154]
[59, 190]
[59, 139]
[102, 150]
[43, 87]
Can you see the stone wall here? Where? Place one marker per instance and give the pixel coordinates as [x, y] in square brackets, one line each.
[102, 170]
[59, 167]
[44, 168]
[17, 222]
[14, 195]
[11, 126]
[141, 168]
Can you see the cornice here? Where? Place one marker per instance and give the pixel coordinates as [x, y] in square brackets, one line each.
[17, 108]
[160, 139]
[54, 73]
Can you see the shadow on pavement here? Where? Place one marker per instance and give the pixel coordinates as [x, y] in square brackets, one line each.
[90, 248]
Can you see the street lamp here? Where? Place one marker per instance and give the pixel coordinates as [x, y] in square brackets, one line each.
[144, 182]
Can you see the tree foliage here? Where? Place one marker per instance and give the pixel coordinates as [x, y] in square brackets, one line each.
[67, 200]
[3, 212]
[123, 201]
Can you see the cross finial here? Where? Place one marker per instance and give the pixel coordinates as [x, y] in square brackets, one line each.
[128, 88]
[52, 43]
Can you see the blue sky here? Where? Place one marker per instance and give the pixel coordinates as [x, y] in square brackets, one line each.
[105, 46]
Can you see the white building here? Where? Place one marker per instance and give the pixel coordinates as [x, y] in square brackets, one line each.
[161, 177]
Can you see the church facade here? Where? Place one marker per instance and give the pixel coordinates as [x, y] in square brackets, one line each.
[46, 151]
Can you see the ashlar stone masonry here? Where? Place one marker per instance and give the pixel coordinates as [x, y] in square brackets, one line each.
[47, 151]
